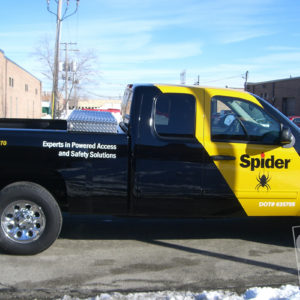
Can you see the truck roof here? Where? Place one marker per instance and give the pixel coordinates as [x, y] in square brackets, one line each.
[210, 90]
[193, 87]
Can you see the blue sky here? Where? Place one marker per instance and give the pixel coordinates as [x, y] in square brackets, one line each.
[155, 40]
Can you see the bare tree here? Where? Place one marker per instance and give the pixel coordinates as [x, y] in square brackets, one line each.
[45, 55]
[83, 73]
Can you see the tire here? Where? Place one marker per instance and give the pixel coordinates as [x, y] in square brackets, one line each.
[30, 219]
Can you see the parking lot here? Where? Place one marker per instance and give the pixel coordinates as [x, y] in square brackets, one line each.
[104, 254]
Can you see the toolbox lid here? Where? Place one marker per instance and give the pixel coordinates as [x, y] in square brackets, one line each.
[92, 121]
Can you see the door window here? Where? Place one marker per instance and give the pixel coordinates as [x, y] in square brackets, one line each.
[233, 119]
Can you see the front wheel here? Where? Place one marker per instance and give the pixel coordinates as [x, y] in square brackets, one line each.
[30, 219]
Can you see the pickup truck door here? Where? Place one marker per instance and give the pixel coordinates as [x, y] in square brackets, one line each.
[169, 161]
[243, 140]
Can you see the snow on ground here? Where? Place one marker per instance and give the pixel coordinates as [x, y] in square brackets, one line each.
[285, 292]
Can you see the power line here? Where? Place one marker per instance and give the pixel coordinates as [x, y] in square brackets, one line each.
[221, 79]
[104, 96]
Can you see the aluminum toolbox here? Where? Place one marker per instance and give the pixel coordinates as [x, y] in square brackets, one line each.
[92, 121]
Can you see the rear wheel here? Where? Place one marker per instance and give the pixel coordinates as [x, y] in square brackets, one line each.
[30, 218]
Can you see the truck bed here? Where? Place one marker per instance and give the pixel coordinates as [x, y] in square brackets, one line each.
[78, 121]
[86, 170]
[33, 124]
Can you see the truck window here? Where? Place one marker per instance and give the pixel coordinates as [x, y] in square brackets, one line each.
[235, 119]
[126, 105]
[174, 115]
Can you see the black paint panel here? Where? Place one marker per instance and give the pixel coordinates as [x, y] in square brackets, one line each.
[175, 177]
[167, 176]
[90, 185]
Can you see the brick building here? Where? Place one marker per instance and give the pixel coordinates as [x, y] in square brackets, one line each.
[284, 94]
[20, 92]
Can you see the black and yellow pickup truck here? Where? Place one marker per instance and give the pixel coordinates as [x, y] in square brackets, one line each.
[179, 151]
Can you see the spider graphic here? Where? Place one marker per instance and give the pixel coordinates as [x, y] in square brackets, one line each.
[263, 182]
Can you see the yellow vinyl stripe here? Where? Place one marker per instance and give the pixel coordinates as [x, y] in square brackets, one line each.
[281, 197]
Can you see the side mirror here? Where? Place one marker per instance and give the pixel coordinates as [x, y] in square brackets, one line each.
[286, 136]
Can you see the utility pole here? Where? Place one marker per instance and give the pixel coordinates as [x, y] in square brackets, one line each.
[66, 69]
[246, 80]
[198, 80]
[66, 72]
[56, 61]
[182, 77]
[59, 19]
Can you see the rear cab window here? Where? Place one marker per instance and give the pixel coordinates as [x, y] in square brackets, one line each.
[174, 115]
[126, 105]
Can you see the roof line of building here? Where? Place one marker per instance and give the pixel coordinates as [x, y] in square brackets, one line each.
[19, 66]
[270, 81]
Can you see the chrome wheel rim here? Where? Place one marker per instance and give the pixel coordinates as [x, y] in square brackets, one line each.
[23, 221]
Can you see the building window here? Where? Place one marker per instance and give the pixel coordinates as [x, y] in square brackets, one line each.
[11, 82]
[36, 91]
[26, 87]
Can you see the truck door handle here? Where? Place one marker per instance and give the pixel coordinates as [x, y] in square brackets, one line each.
[223, 157]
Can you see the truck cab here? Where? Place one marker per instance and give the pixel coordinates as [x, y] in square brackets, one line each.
[210, 152]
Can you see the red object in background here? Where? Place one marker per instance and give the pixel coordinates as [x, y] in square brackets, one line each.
[112, 110]
[295, 119]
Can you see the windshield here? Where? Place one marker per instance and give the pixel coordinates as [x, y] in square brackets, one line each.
[271, 109]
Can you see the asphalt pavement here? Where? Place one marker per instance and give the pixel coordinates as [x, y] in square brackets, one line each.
[104, 254]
